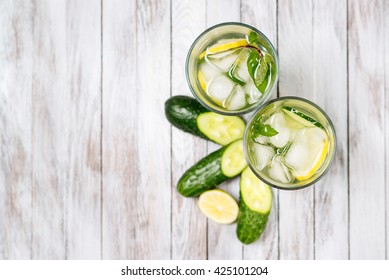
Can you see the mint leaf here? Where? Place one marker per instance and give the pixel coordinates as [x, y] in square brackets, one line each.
[261, 73]
[253, 38]
[252, 63]
[258, 69]
[262, 87]
[260, 128]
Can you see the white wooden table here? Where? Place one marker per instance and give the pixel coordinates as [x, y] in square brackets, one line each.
[89, 164]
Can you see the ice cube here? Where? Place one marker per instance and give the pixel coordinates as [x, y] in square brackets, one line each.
[277, 121]
[237, 99]
[263, 155]
[279, 172]
[240, 69]
[207, 72]
[262, 139]
[298, 155]
[223, 60]
[315, 135]
[253, 93]
[220, 88]
[306, 150]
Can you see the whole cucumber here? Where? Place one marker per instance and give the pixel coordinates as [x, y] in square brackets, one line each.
[187, 114]
[214, 169]
[254, 207]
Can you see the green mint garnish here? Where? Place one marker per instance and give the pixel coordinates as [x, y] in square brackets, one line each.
[252, 63]
[259, 128]
[258, 69]
[262, 87]
[254, 38]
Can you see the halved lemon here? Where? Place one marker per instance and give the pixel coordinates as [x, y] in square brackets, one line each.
[219, 206]
[221, 47]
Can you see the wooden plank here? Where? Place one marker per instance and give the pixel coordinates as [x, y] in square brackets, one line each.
[66, 130]
[136, 82]
[15, 130]
[222, 240]
[330, 84]
[366, 129]
[50, 130]
[153, 232]
[121, 172]
[296, 220]
[263, 15]
[83, 220]
[189, 225]
[386, 52]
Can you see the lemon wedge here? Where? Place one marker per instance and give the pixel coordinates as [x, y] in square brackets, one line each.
[219, 206]
[221, 47]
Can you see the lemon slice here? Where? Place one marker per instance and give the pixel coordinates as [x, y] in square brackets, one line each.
[316, 165]
[202, 82]
[221, 47]
[219, 206]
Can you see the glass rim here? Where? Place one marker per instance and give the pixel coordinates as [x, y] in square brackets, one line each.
[238, 112]
[252, 117]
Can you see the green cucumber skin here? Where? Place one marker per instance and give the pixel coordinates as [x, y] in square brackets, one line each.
[204, 175]
[250, 224]
[182, 112]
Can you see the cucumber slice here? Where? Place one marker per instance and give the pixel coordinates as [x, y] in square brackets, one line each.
[233, 160]
[213, 170]
[301, 117]
[221, 129]
[256, 194]
[254, 207]
[187, 114]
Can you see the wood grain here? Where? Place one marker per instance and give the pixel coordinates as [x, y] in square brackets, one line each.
[330, 84]
[366, 126]
[15, 130]
[263, 15]
[222, 240]
[386, 52]
[83, 221]
[296, 220]
[121, 170]
[66, 130]
[51, 129]
[189, 225]
[153, 196]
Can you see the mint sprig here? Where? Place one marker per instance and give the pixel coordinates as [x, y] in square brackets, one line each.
[259, 128]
